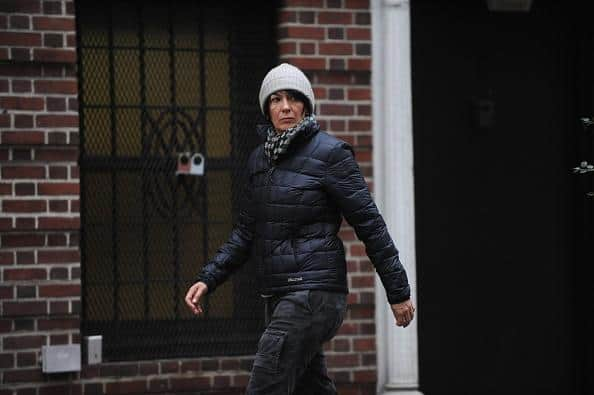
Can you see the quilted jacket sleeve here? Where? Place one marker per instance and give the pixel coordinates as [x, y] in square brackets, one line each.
[348, 189]
[235, 251]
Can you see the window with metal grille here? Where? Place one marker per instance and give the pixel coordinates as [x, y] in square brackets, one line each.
[157, 79]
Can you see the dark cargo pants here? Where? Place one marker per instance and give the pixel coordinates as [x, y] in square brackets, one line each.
[290, 359]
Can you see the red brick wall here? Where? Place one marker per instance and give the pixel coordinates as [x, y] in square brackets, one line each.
[39, 197]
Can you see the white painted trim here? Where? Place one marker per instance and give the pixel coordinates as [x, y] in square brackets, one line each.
[397, 349]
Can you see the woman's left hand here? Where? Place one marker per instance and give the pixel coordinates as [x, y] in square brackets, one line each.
[403, 312]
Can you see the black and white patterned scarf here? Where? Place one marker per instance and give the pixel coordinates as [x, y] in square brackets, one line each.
[277, 142]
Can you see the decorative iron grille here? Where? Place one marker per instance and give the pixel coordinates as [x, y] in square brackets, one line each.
[157, 79]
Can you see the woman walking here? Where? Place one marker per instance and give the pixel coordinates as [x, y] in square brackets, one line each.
[302, 181]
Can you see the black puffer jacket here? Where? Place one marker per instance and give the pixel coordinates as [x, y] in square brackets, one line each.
[289, 222]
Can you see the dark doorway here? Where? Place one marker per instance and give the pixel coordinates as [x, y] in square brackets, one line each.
[504, 229]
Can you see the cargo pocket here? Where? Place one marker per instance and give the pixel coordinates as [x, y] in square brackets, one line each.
[270, 348]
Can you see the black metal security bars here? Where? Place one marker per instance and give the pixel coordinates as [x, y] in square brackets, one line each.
[158, 79]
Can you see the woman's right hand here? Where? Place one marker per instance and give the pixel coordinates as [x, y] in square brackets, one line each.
[194, 295]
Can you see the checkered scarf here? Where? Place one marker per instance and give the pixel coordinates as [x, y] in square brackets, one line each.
[277, 142]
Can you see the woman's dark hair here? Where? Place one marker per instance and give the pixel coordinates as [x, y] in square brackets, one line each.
[297, 95]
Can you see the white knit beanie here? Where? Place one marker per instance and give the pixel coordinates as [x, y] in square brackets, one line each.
[285, 76]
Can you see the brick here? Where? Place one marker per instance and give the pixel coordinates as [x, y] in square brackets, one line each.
[71, 40]
[53, 40]
[53, 23]
[362, 281]
[24, 188]
[20, 6]
[221, 382]
[306, 32]
[20, 39]
[26, 257]
[75, 206]
[56, 240]
[59, 223]
[20, 22]
[363, 4]
[5, 120]
[335, 33]
[23, 376]
[158, 385]
[55, 103]
[342, 360]
[4, 54]
[363, 49]
[6, 361]
[210, 364]
[361, 312]
[23, 342]
[22, 155]
[57, 154]
[19, 70]
[54, 55]
[365, 376]
[58, 339]
[22, 309]
[359, 94]
[55, 86]
[148, 368]
[126, 387]
[287, 48]
[335, 49]
[334, 3]
[21, 86]
[6, 223]
[190, 384]
[58, 256]
[5, 189]
[26, 291]
[310, 63]
[119, 370]
[93, 389]
[364, 110]
[341, 345]
[57, 138]
[22, 172]
[359, 64]
[24, 206]
[230, 364]
[307, 48]
[59, 290]
[306, 17]
[54, 324]
[22, 240]
[59, 188]
[57, 206]
[336, 109]
[58, 172]
[22, 121]
[6, 292]
[5, 326]
[52, 7]
[59, 308]
[359, 125]
[337, 64]
[57, 121]
[191, 366]
[24, 274]
[21, 103]
[335, 18]
[3, 85]
[285, 16]
[69, 7]
[23, 138]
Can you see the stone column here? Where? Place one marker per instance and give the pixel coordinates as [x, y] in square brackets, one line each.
[398, 371]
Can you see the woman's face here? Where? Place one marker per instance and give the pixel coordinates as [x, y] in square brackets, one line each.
[285, 110]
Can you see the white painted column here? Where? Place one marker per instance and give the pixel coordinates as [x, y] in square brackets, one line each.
[398, 371]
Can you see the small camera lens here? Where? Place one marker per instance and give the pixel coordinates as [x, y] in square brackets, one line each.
[184, 159]
[197, 160]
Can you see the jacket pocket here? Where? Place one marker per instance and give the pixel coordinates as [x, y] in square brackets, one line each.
[270, 349]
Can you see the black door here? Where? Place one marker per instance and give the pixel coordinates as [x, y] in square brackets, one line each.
[504, 227]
